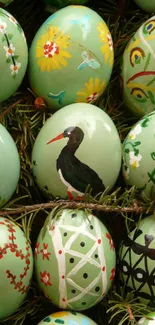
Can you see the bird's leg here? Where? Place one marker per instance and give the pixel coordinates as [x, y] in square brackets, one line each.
[80, 198]
[70, 196]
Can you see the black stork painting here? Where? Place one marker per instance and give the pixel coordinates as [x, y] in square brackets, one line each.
[73, 173]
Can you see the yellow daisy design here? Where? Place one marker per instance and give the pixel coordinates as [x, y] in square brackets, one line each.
[107, 47]
[50, 50]
[92, 91]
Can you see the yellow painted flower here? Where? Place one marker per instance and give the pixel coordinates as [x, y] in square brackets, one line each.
[60, 314]
[50, 50]
[93, 89]
[107, 47]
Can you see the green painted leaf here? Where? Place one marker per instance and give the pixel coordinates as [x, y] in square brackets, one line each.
[47, 319]
[16, 57]
[10, 36]
[59, 321]
[8, 60]
[3, 38]
[136, 151]
[153, 155]
[127, 150]
[137, 143]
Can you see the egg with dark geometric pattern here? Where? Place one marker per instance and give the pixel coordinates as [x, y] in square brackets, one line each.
[137, 261]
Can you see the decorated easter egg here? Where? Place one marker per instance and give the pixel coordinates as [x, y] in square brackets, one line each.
[139, 156]
[16, 266]
[148, 6]
[148, 320]
[74, 260]
[71, 57]
[62, 3]
[77, 147]
[13, 55]
[67, 318]
[10, 166]
[5, 3]
[138, 72]
[137, 257]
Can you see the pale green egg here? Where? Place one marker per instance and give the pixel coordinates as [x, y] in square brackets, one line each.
[16, 267]
[75, 260]
[9, 166]
[13, 55]
[71, 57]
[138, 73]
[148, 6]
[67, 318]
[79, 146]
[139, 156]
[137, 267]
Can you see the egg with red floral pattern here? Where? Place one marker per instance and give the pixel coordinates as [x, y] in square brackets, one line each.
[16, 267]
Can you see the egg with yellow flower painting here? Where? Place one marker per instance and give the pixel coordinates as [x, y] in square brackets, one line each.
[71, 57]
[138, 70]
[67, 318]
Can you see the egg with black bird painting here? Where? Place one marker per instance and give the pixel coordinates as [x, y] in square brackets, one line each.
[78, 147]
[137, 261]
[138, 70]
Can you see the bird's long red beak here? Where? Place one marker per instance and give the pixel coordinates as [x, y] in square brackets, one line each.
[59, 137]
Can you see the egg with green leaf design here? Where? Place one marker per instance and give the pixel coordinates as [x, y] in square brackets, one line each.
[13, 55]
[137, 71]
[67, 318]
[139, 156]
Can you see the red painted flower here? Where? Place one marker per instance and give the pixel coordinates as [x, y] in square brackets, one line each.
[36, 250]
[45, 253]
[45, 278]
[112, 274]
[110, 241]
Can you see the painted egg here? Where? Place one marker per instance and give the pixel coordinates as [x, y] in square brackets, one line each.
[139, 156]
[88, 149]
[67, 318]
[16, 266]
[148, 320]
[5, 3]
[148, 6]
[137, 257]
[13, 54]
[75, 260]
[63, 3]
[71, 57]
[10, 166]
[138, 73]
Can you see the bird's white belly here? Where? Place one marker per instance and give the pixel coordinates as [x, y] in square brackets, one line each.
[70, 188]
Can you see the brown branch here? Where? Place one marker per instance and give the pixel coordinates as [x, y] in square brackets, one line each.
[7, 109]
[73, 205]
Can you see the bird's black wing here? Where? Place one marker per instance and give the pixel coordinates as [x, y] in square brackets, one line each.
[79, 176]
